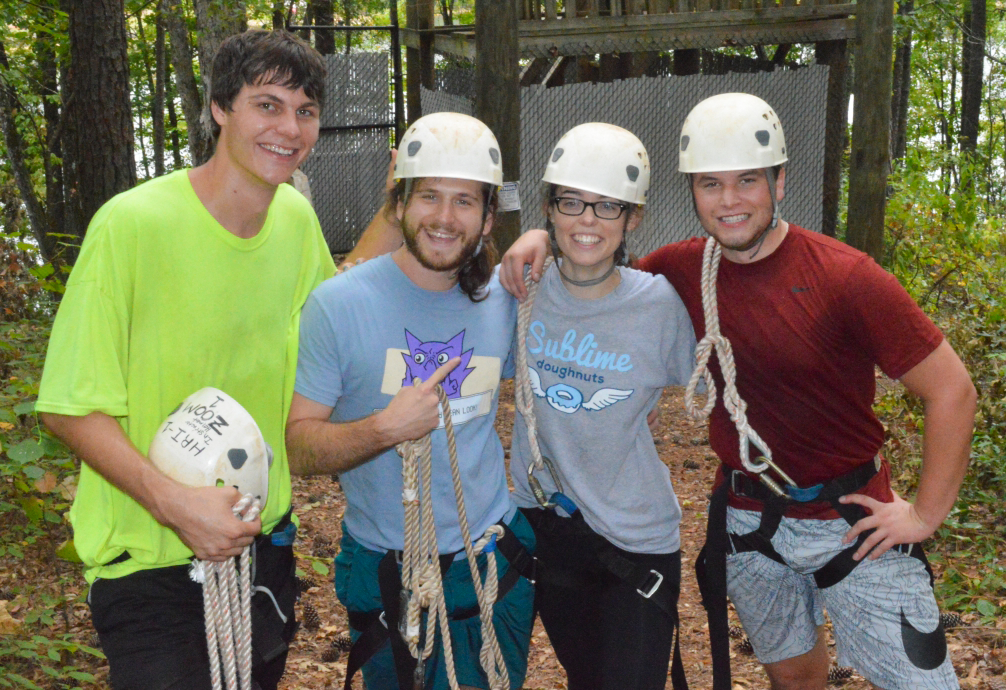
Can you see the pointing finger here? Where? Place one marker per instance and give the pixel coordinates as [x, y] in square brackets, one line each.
[440, 374]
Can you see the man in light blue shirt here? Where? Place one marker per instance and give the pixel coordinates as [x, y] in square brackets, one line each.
[376, 341]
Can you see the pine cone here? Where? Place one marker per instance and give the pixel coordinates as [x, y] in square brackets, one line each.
[736, 632]
[312, 621]
[93, 640]
[331, 655]
[690, 464]
[304, 584]
[745, 646]
[837, 674]
[951, 620]
[343, 642]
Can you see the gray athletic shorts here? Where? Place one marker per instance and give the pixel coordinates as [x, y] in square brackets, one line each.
[878, 611]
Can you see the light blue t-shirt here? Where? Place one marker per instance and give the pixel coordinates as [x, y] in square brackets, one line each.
[597, 368]
[368, 330]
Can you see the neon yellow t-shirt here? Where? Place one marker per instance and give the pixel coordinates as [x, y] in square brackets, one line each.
[164, 301]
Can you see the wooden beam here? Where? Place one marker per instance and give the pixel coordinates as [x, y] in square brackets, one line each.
[715, 32]
[869, 161]
[497, 95]
[652, 22]
[418, 55]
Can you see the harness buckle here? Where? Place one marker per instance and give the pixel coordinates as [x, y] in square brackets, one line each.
[654, 587]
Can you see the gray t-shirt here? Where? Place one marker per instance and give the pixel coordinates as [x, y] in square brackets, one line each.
[597, 368]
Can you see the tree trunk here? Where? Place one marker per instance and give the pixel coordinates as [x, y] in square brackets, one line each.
[216, 20]
[53, 154]
[200, 142]
[157, 105]
[170, 93]
[901, 90]
[14, 143]
[102, 145]
[324, 15]
[972, 69]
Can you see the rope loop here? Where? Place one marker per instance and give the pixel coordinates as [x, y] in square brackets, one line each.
[422, 580]
[712, 341]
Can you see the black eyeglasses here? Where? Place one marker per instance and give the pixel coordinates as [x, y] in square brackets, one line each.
[606, 210]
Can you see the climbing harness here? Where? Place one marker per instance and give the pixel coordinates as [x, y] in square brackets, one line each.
[422, 579]
[646, 581]
[227, 592]
[710, 566]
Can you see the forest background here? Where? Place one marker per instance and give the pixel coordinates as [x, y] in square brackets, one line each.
[99, 95]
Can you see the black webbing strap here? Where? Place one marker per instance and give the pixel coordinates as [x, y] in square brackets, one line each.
[378, 627]
[648, 582]
[711, 573]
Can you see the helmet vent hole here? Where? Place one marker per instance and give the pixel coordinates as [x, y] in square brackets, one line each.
[237, 457]
[762, 136]
[633, 172]
[684, 142]
[495, 155]
[557, 154]
[414, 147]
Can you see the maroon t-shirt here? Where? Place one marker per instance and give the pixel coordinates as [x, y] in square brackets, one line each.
[807, 324]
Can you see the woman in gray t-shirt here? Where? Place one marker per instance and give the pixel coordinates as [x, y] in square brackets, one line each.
[602, 341]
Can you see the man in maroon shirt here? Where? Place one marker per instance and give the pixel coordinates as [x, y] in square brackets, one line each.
[809, 319]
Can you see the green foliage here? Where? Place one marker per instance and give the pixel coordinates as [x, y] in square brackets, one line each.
[952, 259]
[37, 481]
[55, 657]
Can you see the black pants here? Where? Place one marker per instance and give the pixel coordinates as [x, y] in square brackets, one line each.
[151, 626]
[605, 634]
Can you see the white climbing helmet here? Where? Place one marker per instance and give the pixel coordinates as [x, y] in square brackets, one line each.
[731, 131]
[603, 159]
[210, 440]
[449, 145]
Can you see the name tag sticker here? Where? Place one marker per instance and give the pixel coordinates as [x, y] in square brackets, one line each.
[509, 196]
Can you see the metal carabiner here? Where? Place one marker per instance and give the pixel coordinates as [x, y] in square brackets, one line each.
[771, 483]
[536, 488]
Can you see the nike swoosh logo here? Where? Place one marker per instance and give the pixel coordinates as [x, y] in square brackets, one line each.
[925, 650]
[800, 289]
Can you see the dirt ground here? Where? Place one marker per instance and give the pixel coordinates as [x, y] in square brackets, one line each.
[39, 579]
[684, 447]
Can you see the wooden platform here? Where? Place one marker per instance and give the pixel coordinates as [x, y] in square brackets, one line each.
[696, 25]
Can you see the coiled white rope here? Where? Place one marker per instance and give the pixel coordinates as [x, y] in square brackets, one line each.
[421, 576]
[227, 610]
[732, 401]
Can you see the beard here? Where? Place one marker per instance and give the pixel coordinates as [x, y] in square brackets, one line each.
[438, 263]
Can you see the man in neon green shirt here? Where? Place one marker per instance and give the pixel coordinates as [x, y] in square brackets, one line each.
[191, 280]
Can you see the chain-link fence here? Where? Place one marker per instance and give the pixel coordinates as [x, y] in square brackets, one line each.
[653, 109]
[349, 163]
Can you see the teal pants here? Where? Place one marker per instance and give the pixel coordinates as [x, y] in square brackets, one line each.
[356, 586]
